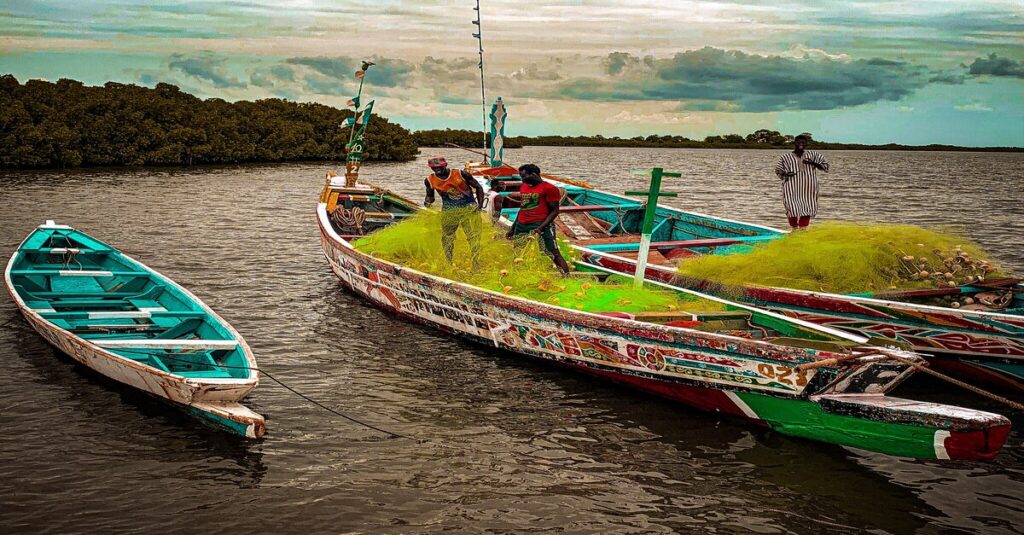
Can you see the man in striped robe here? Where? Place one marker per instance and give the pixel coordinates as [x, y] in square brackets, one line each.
[799, 173]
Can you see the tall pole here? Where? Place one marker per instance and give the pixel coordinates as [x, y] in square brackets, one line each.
[483, 96]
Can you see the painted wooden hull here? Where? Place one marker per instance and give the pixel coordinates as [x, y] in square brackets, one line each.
[745, 378]
[987, 346]
[213, 401]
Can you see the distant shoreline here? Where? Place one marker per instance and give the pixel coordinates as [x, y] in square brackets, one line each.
[759, 140]
[815, 146]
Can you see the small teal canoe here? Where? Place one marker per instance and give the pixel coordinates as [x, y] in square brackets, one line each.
[124, 320]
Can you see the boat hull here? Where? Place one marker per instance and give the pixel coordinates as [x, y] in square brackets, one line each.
[214, 401]
[733, 376]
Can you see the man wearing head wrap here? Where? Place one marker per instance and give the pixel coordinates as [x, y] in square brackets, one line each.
[798, 171]
[462, 197]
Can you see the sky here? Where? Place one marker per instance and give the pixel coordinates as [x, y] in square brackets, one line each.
[853, 71]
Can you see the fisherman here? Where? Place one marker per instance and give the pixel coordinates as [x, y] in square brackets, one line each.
[799, 173]
[462, 197]
[539, 205]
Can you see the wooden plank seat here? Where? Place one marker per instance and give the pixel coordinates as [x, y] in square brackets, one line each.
[160, 343]
[77, 273]
[121, 314]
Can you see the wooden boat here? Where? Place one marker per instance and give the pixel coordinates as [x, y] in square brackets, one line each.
[124, 320]
[982, 345]
[794, 377]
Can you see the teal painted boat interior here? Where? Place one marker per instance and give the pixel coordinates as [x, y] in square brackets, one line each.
[92, 290]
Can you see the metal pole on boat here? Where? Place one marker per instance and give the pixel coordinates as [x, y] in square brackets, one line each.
[652, 194]
[483, 98]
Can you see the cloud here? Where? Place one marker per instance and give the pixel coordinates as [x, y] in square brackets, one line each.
[755, 83]
[626, 116]
[974, 106]
[385, 73]
[340, 67]
[206, 66]
[994, 65]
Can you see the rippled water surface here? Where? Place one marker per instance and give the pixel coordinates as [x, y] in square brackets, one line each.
[510, 444]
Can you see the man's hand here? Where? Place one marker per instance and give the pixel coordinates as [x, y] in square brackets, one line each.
[537, 231]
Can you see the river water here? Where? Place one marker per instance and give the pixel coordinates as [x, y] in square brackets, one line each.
[510, 444]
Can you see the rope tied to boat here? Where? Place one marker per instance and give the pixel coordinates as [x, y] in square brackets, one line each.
[390, 434]
[967, 386]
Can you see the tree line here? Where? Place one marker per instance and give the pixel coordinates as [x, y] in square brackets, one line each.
[68, 124]
[759, 139]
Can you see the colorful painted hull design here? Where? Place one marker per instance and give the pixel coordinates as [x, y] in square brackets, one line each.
[113, 340]
[744, 378]
[987, 346]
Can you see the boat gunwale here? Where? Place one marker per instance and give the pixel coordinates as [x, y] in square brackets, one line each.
[195, 383]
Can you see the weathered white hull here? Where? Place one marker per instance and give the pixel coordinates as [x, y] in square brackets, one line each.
[211, 399]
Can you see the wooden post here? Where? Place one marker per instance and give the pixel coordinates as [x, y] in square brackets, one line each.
[652, 193]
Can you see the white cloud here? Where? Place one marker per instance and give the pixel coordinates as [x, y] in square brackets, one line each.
[974, 106]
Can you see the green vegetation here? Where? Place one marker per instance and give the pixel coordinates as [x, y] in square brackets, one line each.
[516, 268]
[850, 258]
[68, 124]
[760, 139]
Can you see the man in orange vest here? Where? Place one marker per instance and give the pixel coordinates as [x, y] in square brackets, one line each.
[462, 198]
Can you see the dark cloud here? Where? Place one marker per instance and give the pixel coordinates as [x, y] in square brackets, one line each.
[460, 69]
[994, 65]
[952, 78]
[386, 73]
[207, 66]
[617, 61]
[389, 72]
[340, 67]
[757, 83]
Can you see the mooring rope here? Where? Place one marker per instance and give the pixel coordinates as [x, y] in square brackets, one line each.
[390, 434]
[985, 393]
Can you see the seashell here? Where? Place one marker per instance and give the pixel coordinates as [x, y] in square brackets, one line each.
[554, 301]
[948, 275]
[503, 273]
[578, 294]
[892, 286]
[968, 300]
[924, 274]
[908, 258]
[948, 260]
[951, 284]
[955, 304]
[671, 307]
[506, 289]
[517, 260]
[586, 285]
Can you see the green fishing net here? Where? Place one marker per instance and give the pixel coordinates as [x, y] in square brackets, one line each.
[515, 267]
[843, 257]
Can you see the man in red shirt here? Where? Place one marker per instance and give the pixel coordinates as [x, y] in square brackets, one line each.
[539, 202]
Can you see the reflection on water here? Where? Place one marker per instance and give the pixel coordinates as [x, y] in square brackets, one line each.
[508, 443]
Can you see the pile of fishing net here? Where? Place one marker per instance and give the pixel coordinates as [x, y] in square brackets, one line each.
[514, 267]
[851, 258]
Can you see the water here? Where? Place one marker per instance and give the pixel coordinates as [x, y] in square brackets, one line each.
[511, 444]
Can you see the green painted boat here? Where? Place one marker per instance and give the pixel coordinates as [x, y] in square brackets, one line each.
[124, 320]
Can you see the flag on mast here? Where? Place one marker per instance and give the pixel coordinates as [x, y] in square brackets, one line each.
[498, 115]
